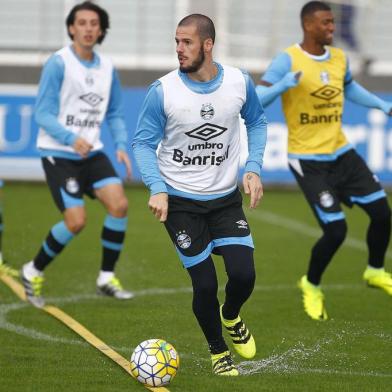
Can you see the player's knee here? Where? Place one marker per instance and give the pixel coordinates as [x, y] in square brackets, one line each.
[336, 231]
[206, 288]
[239, 265]
[76, 224]
[120, 208]
[244, 277]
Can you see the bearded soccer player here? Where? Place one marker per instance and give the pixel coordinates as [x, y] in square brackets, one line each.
[314, 78]
[78, 90]
[193, 112]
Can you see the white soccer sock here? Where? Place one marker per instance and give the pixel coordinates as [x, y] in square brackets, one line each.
[30, 272]
[104, 277]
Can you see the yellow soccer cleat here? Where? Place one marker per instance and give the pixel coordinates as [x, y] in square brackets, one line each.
[313, 300]
[223, 365]
[7, 270]
[243, 340]
[378, 278]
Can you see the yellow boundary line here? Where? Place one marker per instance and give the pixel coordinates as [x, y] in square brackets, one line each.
[71, 323]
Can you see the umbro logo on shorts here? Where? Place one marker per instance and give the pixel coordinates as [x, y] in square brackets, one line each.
[242, 224]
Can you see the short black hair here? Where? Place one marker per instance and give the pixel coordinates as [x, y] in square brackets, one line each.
[313, 6]
[205, 26]
[90, 6]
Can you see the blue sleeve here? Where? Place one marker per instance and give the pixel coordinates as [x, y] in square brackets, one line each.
[278, 68]
[256, 125]
[275, 74]
[115, 114]
[149, 132]
[47, 106]
[358, 94]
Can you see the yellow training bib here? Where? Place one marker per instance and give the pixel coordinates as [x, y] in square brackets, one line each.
[314, 108]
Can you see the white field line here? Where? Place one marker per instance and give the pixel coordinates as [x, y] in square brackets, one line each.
[30, 332]
[300, 227]
[291, 361]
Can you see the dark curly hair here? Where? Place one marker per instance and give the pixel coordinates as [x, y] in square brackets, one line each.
[90, 6]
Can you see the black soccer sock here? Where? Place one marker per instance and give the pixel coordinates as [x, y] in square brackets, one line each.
[113, 235]
[57, 239]
[205, 304]
[241, 278]
[334, 234]
[379, 231]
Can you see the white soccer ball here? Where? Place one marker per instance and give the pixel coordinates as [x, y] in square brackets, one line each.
[154, 362]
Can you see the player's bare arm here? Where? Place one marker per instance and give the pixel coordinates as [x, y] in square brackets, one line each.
[253, 187]
[158, 204]
[82, 147]
[122, 157]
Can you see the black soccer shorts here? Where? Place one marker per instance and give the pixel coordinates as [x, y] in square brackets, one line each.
[70, 179]
[327, 184]
[199, 228]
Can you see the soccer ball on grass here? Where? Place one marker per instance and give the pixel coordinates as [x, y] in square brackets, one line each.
[154, 362]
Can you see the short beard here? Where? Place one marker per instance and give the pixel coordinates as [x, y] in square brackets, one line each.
[196, 65]
[325, 41]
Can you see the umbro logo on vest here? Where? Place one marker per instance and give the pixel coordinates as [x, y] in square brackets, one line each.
[327, 92]
[206, 132]
[92, 99]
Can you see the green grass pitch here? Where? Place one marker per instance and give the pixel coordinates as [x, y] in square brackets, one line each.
[350, 352]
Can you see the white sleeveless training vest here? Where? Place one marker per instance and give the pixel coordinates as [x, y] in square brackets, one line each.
[200, 151]
[84, 98]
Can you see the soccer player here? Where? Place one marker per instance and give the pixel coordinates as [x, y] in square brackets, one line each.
[193, 112]
[313, 79]
[78, 90]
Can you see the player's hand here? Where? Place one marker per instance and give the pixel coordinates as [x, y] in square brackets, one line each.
[159, 204]
[122, 157]
[291, 79]
[82, 147]
[253, 187]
